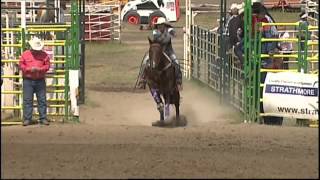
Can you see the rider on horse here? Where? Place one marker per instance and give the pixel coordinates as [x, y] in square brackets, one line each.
[162, 33]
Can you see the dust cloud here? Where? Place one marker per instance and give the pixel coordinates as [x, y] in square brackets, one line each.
[199, 105]
[202, 106]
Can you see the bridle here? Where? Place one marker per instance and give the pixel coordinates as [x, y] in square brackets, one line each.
[165, 55]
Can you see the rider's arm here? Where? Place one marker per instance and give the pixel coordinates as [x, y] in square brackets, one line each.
[172, 32]
[161, 37]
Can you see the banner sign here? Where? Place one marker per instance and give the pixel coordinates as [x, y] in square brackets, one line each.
[290, 94]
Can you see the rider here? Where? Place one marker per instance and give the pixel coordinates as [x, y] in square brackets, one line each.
[162, 33]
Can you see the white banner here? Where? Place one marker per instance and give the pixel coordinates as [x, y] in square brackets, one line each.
[74, 86]
[289, 94]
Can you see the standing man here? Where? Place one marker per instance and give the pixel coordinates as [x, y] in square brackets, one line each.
[34, 64]
[232, 25]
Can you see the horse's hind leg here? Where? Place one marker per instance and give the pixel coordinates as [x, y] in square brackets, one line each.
[177, 107]
[167, 105]
[177, 114]
[156, 96]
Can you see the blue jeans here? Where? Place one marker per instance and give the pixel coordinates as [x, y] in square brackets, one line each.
[34, 86]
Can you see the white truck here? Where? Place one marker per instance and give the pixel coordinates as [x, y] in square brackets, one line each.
[148, 11]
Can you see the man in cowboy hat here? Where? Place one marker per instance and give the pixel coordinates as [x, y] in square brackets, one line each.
[163, 33]
[34, 64]
[232, 25]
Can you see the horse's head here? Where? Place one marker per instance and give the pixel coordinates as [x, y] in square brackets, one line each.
[155, 53]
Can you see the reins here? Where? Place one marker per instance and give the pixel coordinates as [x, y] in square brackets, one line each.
[165, 55]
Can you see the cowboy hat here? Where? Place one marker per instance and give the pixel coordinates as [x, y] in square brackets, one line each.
[161, 20]
[234, 6]
[36, 44]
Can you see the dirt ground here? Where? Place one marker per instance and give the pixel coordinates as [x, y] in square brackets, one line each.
[115, 138]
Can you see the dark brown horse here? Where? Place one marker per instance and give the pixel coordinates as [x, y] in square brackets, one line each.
[161, 80]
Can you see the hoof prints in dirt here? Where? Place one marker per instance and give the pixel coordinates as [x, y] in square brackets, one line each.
[171, 123]
[115, 89]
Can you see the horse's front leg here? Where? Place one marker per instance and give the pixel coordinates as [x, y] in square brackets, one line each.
[156, 96]
[177, 106]
[177, 113]
[167, 105]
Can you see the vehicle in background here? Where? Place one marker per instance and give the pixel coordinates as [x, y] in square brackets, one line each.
[148, 11]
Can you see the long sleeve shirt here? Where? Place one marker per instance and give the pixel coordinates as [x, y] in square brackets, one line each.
[36, 59]
[164, 38]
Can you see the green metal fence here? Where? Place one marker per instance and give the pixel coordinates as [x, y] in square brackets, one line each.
[243, 85]
[224, 77]
[217, 67]
[304, 61]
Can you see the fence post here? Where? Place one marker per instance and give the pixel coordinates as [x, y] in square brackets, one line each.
[247, 63]
[82, 51]
[305, 56]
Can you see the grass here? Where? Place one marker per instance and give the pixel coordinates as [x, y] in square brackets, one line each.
[111, 64]
[285, 16]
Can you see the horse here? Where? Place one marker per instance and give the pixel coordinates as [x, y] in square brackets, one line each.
[161, 80]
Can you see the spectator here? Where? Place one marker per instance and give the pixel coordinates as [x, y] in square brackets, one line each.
[234, 8]
[232, 25]
[34, 64]
[260, 14]
[238, 39]
[285, 47]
